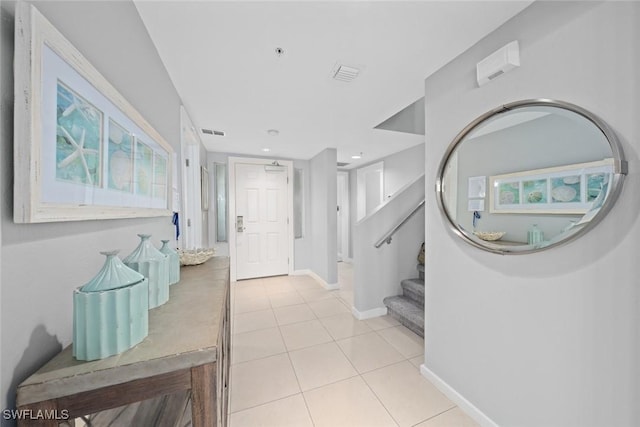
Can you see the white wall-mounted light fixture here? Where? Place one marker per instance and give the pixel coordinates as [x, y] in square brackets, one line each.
[499, 62]
[357, 156]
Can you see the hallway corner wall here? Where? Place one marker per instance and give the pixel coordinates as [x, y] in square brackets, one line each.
[550, 338]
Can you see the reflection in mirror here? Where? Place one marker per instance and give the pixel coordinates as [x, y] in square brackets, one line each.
[530, 175]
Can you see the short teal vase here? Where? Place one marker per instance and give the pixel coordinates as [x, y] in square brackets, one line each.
[154, 265]
[174, 262]
[110, 312]
[535, 235]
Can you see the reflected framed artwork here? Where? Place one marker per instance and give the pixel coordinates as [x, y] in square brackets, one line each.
[569, 189]
[81, 151]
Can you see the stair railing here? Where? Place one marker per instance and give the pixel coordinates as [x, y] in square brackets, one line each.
[387, 237]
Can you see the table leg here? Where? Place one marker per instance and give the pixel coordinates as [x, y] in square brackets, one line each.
[41, 414]
[203, 396]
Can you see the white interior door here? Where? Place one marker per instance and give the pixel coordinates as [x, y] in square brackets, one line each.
[262, 247]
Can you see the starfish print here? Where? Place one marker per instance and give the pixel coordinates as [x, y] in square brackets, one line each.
[80, 106]
[79, 152]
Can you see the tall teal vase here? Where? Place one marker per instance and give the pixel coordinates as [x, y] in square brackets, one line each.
[154, 265]
[110, 312]
[174, 262]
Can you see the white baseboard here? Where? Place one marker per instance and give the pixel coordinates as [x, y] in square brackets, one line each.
[301, 273]
[348, 260]
[368, 314]
[327, 286]
[466, 406]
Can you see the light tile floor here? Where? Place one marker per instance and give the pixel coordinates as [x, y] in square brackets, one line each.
[299, 358]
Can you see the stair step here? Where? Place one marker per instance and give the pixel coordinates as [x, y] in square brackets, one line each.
[414, 290]
[421, 271]
[407, 312]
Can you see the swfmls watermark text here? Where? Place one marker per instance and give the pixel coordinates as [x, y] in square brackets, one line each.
[35, 414]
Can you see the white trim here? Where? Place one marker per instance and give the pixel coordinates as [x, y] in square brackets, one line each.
[368, 314]
[347, 260]
[467, 407]
[231, 171]
[191, 186]
[327, 286]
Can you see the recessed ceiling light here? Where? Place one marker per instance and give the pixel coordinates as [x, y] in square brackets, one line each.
[357, 156]
[273, 132]
[266, 150]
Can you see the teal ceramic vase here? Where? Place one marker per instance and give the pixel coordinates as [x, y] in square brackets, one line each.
[110, 312]
[535, 235]
[174, 262]
[154, 265]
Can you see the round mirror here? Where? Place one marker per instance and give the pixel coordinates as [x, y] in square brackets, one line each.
[530, 175]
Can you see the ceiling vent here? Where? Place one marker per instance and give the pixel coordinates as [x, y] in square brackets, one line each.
[342, 164]
[345, 74]
[212, 132]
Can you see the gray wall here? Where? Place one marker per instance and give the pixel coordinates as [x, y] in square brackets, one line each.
[552, 338]
[378, 272]
[399, 170]
[43, 263]
[409, 120]
[324, 200]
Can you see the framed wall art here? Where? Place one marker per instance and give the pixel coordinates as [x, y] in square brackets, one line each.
[570, 189]
[81, 151]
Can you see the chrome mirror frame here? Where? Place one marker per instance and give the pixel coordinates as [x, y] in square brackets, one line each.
[619, 171]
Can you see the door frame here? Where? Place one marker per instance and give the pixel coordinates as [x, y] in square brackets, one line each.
[191, 189]
[232, 208]
[346, 219]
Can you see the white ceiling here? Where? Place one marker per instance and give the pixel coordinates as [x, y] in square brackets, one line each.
[222, 60]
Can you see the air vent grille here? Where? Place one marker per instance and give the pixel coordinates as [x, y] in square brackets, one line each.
[345, 74]
[213, 132]
[342, 164]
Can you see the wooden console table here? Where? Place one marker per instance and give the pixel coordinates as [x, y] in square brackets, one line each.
[187, 350]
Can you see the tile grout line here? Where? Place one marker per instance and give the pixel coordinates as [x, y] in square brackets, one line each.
[436, 415]
[333, 340]
[306, 404]
[380, 400]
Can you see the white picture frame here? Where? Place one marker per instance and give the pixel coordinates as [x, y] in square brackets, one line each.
[477, 187]
[570, 189]
[81, 150]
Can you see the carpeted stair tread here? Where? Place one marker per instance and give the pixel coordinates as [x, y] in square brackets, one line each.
[407, 312]
[414, 290]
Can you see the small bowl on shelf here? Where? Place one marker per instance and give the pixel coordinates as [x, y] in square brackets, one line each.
[195, 256]
[490, 235]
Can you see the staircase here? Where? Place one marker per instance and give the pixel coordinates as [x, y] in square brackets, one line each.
[408, 308]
